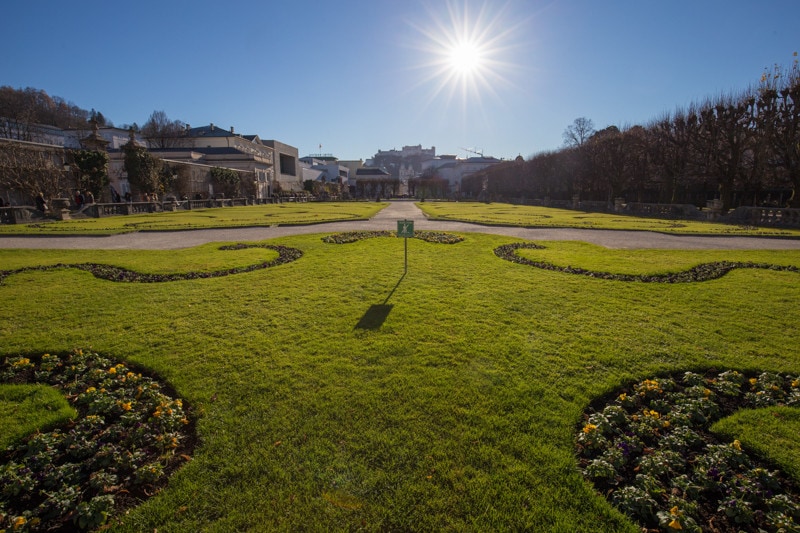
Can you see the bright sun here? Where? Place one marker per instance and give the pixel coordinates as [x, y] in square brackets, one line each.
[465, 58]
[465, 50]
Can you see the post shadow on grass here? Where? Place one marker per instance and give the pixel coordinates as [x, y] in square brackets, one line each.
[376, 314]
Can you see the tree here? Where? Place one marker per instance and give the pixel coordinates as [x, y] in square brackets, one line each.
[24, 108]
[143, 169]
[578, 132]
[778, 118]
[31, 169]
[91, 170]
[161, 132]
[225, 180]
[671, 150]
[723, 142]
[177, 178]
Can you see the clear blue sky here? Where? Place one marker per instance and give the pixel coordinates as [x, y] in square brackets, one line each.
[356, 76]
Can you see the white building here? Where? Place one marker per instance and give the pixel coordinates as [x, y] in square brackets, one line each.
[453, 170]
[326, 168]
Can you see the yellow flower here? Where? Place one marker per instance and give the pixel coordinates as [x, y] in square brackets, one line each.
[112, 370]
[126, 406]
[753, 381]
[706, 392]
[796, 383]
[588, 428]
[19, 522]
[736, 444]
[675, 524]
[623, 397]
[651, 384]
[90, 390]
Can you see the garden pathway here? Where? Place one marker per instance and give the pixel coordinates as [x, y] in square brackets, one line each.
[387, 219]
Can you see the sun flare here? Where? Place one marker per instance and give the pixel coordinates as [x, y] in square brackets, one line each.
[466, 50]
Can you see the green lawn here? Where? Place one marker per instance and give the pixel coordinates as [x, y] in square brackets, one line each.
[548, 217]
[221, 217]
[26, 408]
[334, 393]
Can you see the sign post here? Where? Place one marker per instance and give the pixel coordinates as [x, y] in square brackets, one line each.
[405, 229]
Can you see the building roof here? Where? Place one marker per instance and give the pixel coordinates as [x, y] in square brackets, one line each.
[371, 171]
[210, 131]
[482, 160]
[207, 150]
[321, 157]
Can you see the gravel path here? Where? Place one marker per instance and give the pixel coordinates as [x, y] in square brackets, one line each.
[387, 219]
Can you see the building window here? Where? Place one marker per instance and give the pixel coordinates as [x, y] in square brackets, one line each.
[288, 165]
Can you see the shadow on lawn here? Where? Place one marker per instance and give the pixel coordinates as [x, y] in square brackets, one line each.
[376, 314]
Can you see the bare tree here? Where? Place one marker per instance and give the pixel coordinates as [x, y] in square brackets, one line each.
[778, 119]
[671, 150]
[724, 142]
[578, 132]
[30, 169]
[161, 132]
[23, 109]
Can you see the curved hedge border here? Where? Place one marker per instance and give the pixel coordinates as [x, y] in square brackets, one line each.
[112, 273]
[650, 452]
[428, 236]
[130, 434]
[704, 272]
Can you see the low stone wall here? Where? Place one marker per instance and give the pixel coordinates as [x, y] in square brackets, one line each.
[682, 211]
[765, 216]
[130, 208]
[19, 214]
[752, 216]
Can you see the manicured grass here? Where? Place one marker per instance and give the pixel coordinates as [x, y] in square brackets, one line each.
[223, 217]
[26, 408]
[204, 258]
[770, 432]
[548, 217]
[453, 407]
[596, 258]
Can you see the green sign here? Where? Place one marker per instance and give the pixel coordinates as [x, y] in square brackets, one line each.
[405, 228]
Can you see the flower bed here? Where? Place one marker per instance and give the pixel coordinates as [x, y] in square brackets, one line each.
[650, 452]
[704, 272]
[112, 273]
[128, 437]
[428, 236]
